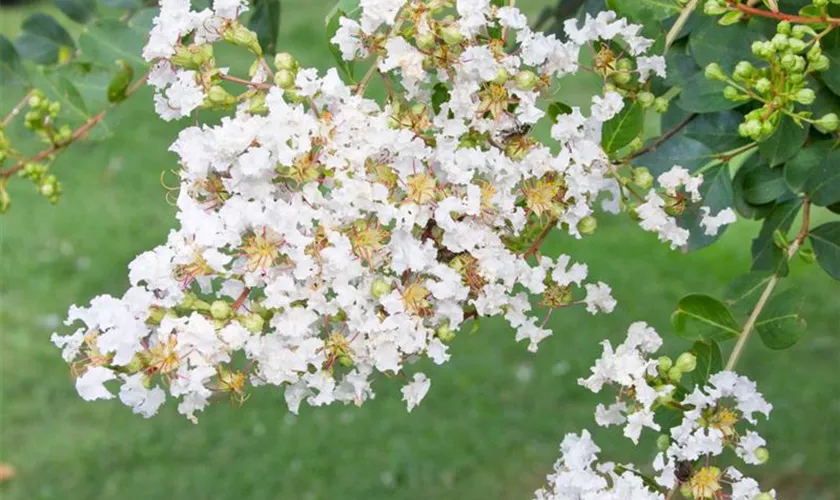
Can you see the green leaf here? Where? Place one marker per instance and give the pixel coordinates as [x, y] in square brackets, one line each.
[12, 72]
[680, 64]
[765, 254]
[825, 240]
[80, 11]
[344, 8]
[823, 183]
[780, 325]
[831, 78]
[784, 142]
[709, 361]
[44, 40]
[700, 95]
[742, 293]
[726, 45]
[702, 317]
[123, 4]
[679, 150]
[742, 206]
[764, 185]
[440, 95]
[58, 88]
[717, 195]
[265, 22]
[556, 109]
[644, 11]
[798, 169]
[621, 129]
[110, 40]
[719, 131]
[119, 84]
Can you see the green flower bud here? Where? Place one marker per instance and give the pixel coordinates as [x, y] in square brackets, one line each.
[284, 60]
[663, 442]
[380, 288]
[819, 64]
[624, 64]
[252, 322]
[767, 128]
[35, 101]
[762, 85]
[526, 80]
[805, 96]
[800, 30]
[451, 35]
[622, 77]
[780, 42]
[284, 78]
[820, 3]
[587, 225]
[292, 95]
[645, 99]
[675, 374]
[686, 362]
[444, 332]
[426, 41]
[256, 106]
[219, 98]
[796, 46]
[789, 62]
[714, 8]
[665, 364]
[642, 178]
[763, 50]
[660, 105]
[54, 109]
[762, 454]
[502, 76]
[783, 27]
[220, 309]
[345, 360]
[714, 72]
[47, 189]
[828, 122]
[241, 36]
[731, 93]
[744, 71]
[765, 496]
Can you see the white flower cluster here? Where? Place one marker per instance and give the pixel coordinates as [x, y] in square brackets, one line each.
[654, 216]
[325, 237]
[709, 417]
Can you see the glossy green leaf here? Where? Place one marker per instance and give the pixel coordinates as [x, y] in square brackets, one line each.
[621, 129]
[798, 169]
[440, 95]
[44, 40]
[679, 150]
[780, 324]
[717, 195]
[80, 11]
[644, 11]
[681, 65]
[57, 87]
[702, 317]
[742, 206]
[709, 360]
[110, 40]
[725, 45]
[719, 131]
[765, 254]
[823, 183]
[784, 142]
[742, 293]
[265, 22]
[831, 78]
[764, 184]
[825, 241]
[700, 95]
[556, 109]
[12, 72]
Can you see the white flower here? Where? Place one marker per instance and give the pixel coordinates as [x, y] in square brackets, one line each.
[90, 385]
[713, 223]
[650, 64]
[599, 298]
[144, 401]
[604, 108]
[416, 390]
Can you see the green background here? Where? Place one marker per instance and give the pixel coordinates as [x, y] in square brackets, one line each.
[490, 426]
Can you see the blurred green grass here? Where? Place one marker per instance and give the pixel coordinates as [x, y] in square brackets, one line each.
[489, 427]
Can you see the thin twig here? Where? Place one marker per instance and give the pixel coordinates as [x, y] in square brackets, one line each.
[16, 110]
[534, 248]
[674, 32]
[749, 326]
[781, 16]
[249, 83]
[664, 137]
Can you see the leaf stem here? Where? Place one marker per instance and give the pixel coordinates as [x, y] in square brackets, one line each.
[781, 16]
[664, 137]
[749, 326]
[679, 24]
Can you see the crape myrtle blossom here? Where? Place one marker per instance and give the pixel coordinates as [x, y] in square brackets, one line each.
[325, 238]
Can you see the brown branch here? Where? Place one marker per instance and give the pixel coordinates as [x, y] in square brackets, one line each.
[246, 82]
[77, 134]
[16, 110]
[664, 137]
[781, 16]
[532, 250]
[241, 299]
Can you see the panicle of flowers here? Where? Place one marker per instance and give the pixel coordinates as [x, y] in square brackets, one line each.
[325, 237]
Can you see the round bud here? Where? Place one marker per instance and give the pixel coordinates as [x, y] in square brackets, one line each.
[799, 31]
[828, 122]
[779, 41]
[663, 442]
[713, 71]
[252, 322]
[731, 93]
[451, 35]
[502, 76]
[665, 364]
[783, 27]
[820, 3]
[587, 225]
[292, 95]
[762, 50]
[379, 288]
[660, 105]
[751, 128]
[762, 85]
[714, 9]
[762, 454]
[622, 77]
[220, 309]
[54, 108]
[744, 70]
[624, 64]
[645, 99]
[47, 189]
[789, 62]
[345, 360]
[636, 144]
[426, 41]
[796, 46]
[35, 101]
[805, 96]
[675, 374]
[686, 362]
[767, 128]
[642, 178]
[284, 78]
[444, 332]
[284, 60]
[526, 80]
[821, 63]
